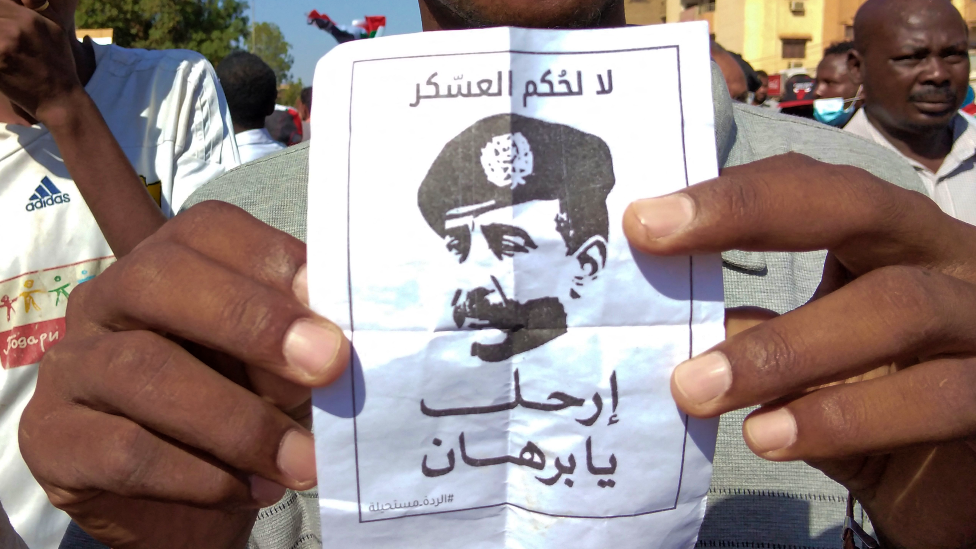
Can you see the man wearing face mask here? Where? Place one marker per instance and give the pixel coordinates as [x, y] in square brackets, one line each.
[911, 59]
[836, 95]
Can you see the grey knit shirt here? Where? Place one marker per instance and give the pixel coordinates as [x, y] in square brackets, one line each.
[752, 503]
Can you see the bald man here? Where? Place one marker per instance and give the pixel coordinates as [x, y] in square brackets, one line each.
[912, 58]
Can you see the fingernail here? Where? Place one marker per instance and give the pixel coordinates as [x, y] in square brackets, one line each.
[299, 285]
[704, 378]
[265, 492]
[311, 347]
[296, 457]
[666, 215]
[771, 431]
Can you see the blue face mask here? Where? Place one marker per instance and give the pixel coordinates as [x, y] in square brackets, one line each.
[832, 112]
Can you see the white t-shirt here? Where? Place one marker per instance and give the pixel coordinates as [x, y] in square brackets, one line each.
[171, 119]
[953, 186]
[255, 144]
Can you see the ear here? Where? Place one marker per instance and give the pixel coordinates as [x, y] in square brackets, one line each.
[854, 65]
[592, 257]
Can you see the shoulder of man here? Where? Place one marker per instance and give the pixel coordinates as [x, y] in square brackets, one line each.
[121, 60]
[273, 189]
[762, 133]
[167, 110]
[781, 282]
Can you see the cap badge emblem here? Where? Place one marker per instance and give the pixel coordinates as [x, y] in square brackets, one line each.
[507, 160]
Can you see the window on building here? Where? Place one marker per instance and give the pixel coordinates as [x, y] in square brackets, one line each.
[794, 48]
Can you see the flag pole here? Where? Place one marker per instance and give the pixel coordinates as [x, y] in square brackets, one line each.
[254, 24]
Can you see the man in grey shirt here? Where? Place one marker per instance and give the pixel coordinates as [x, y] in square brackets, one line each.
[246, 286]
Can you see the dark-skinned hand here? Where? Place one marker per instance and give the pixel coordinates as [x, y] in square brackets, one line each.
[894, 318]
[136, 437]
[178, 404]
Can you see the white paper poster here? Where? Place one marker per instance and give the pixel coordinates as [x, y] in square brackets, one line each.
[510, 385]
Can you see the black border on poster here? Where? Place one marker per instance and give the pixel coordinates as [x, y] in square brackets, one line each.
[352, 328]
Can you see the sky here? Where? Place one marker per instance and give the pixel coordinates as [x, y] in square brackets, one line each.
[309, 44]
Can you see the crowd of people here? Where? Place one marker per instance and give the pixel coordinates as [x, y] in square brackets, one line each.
[157, 368]
[901, 84]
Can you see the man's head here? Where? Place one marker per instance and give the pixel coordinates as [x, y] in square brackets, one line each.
[911, 56]
[251, 89]
[762, 94]
[833, 75]
[461, 14]
[735, 77]
[521, 204]
[304, 104]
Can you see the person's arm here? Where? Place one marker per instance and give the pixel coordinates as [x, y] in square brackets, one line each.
[38, 74]
[124, 211]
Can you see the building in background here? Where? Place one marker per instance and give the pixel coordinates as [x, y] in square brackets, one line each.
[98, 36]
[646, 12]
[777, 36]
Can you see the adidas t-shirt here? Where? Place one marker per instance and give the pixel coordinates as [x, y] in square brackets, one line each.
[170, 117]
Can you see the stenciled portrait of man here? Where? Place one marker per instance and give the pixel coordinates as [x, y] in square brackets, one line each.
[510, 193]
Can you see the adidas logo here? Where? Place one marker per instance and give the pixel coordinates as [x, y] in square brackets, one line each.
[46, 194]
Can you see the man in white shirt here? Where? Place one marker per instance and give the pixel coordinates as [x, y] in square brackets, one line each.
[251, 88]
[171, 134]
[912, 58]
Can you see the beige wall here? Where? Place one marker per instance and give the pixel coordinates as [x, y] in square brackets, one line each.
[962, 6]
[646, 12]
[673, 9]
[838, 15]
[728, 27]
[756, 28]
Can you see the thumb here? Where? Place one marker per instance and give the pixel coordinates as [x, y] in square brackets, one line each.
[792, 203]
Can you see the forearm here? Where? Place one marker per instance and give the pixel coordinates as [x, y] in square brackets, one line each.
[118, 200]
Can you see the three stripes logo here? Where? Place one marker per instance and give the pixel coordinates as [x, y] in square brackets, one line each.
[46, 194]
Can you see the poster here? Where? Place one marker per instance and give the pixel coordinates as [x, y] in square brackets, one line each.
[510, 383]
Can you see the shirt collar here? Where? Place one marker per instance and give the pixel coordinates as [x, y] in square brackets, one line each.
[963, 141]
[254, 137]
[963, 144]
